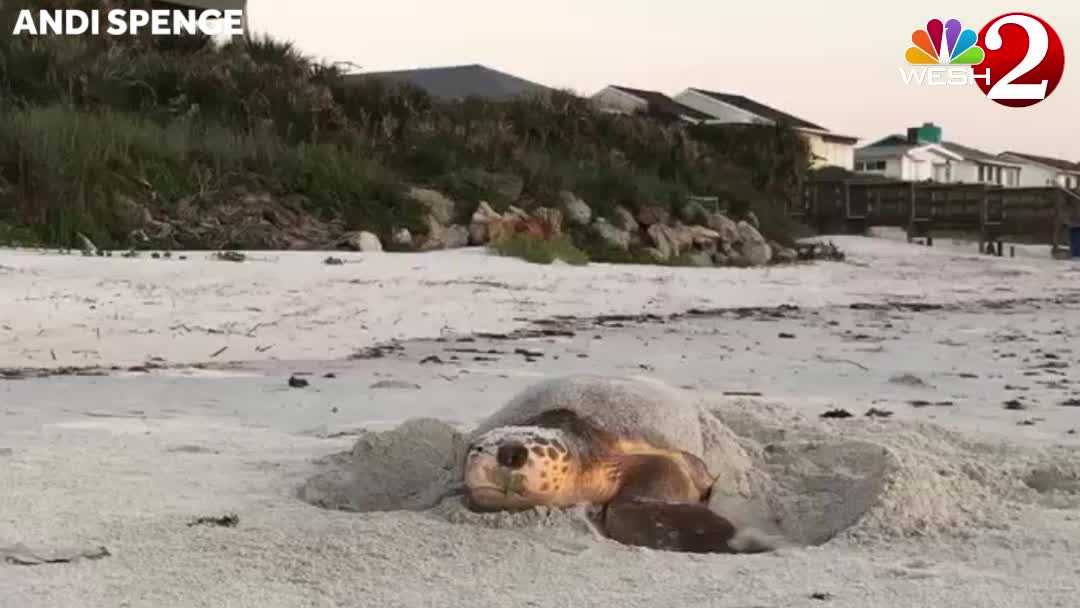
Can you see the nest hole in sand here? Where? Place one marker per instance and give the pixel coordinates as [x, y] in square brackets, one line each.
[807, 491]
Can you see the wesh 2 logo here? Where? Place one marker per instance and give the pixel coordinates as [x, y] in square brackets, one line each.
[1017, 59]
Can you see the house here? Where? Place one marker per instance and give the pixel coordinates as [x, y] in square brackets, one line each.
[826, 147]
[922, 155]
[1045, 171]
[455, 83]
[626, 100]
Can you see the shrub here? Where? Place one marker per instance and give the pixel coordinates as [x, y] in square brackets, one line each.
[541, 251]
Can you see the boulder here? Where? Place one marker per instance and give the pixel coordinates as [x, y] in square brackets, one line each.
[435, 203]
[436, 235]
[785, 255]
[577, 212]
[651, 216]
[700, 259]
[683, 238]
[550, 222]
[456, 236]
[611, 236]
[693, 213]
[360, 241]
[624, 220]
[402, 238]
[753, 248]
[723, 225]
[481, 219]
[705, 238]
[663, 240]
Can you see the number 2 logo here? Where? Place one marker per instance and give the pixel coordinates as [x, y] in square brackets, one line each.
[1024, 60]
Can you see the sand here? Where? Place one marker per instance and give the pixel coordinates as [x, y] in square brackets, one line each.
[967, 504]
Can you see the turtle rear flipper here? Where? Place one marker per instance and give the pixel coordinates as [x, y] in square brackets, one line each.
[660, 505]
[669, 526]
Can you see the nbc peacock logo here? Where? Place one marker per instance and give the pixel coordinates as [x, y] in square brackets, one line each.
[1016, 59]
[945, 43]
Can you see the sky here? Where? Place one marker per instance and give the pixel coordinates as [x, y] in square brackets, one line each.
[832, 63]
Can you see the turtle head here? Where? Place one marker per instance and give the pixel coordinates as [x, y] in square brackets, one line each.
[517, 468]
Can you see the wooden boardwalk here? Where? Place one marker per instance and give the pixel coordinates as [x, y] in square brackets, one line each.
[851, 206]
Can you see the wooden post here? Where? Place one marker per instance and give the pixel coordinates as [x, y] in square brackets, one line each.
[911, 213]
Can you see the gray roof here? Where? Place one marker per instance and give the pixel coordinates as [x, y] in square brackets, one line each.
[462, 81]
[658, 102]
[900, 145]
[760, 109]
[1057, 163]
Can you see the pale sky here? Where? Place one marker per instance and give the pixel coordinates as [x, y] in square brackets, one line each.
[832, 63]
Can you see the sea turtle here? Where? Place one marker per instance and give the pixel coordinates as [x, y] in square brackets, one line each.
[631, 446]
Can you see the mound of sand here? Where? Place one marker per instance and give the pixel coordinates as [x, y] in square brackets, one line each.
[809, 480]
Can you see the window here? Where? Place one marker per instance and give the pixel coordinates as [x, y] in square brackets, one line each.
[997, 178]
[982, 173]
[870, 165]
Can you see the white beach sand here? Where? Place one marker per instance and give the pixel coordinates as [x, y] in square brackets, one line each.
[965, 504]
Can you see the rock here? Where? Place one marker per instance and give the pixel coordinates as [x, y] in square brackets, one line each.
[402, 238]
[694, 213]
[297, 382]
[87, 246]
[478, 226]
[550, 222]
[683, 238]
[783, 255]
[437, 204]
[753, 247]
[751, 218]
[650, 216]
[360, 241]
[704, 239]
[436, 235]
[722, 224]
[663, 240]
[721, 259]
[615, 238]
[700, 259]
[624, 220]
[456, 236]
[577, 212]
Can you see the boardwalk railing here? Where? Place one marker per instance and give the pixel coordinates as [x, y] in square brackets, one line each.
[852, 206]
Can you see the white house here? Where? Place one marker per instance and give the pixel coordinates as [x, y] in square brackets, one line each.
[826, 147]
[1039, 171]
[922, 155]
[627, 100]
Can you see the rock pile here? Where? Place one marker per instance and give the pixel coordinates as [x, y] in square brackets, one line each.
[693, 236]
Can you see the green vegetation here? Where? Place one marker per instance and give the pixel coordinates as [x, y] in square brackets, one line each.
[90, 125]
[541, 251]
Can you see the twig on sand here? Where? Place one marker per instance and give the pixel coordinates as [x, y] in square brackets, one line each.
[219, 351]
[849, 361]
